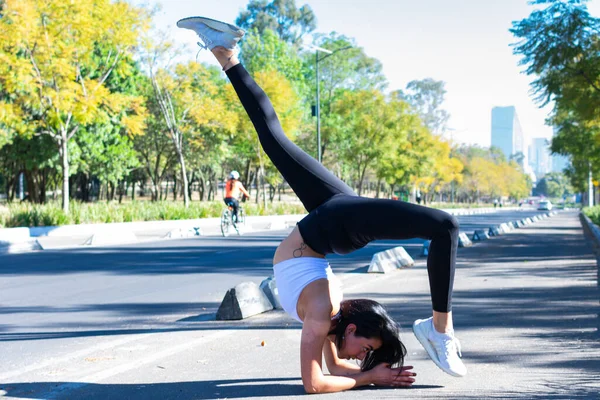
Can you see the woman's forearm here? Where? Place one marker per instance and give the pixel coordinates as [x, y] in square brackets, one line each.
[344, 369]
[336, 383]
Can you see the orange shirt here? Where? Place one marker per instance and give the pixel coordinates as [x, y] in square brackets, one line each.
[233, 188]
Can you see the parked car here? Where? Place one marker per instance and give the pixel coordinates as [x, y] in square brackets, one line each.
[545, 205]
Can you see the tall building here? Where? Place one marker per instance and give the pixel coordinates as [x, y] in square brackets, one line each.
[507, 133]
[558, 162]
[539, 157]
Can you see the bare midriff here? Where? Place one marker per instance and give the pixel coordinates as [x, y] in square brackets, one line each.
[293, 246]
[320, 290]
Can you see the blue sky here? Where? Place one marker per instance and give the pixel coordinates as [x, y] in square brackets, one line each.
[462, 42]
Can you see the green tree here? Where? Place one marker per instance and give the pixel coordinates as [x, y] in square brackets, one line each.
[560, 46]
[348, 69]
[283, 17]
[55, 57]
[427, 96]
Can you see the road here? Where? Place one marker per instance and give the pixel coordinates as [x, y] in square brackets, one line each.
[137, 321]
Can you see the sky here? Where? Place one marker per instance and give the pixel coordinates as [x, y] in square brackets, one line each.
[465, 43]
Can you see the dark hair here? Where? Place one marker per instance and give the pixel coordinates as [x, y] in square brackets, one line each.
[372, 321]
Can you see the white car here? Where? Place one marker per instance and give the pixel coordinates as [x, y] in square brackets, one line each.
[545, 205]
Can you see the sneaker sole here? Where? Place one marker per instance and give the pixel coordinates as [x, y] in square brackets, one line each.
[216, 25]
[422, 338]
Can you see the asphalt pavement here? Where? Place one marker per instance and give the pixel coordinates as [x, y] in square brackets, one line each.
[137, 321]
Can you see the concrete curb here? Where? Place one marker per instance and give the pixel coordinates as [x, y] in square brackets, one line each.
[592, 232]
[272, 222]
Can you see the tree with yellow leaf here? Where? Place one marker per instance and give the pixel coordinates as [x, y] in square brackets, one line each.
[285, 101]
[55, 57]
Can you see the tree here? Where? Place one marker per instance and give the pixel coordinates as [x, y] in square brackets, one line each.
[244, 139]
[55, 57]
[427, 96]
[350, 69]
[560, 45]
[280, 16]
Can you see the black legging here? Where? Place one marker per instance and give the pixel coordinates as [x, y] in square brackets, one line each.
[340, 221]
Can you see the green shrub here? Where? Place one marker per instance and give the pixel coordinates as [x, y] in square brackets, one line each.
[51, 214]
[593, 213]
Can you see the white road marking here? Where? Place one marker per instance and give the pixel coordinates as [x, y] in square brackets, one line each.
[100, 376]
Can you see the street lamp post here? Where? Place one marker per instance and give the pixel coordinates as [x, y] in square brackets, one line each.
[318, 107]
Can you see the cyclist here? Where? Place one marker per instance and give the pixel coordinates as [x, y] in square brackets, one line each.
[233, 188]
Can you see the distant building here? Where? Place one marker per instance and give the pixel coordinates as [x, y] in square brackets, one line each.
[539, 157]
[507, 133]
[558, 162]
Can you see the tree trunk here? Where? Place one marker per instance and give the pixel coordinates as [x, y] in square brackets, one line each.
[201, 188]
[174, 187]
[186, 199]
[378, 188]
[257, 182]
[64, 155]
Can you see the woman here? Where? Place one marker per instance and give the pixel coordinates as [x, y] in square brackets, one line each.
[233, 188]
[339, 221]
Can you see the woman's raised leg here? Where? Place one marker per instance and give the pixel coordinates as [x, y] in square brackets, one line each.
[311, 181]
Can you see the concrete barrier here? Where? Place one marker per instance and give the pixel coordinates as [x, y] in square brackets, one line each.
[17, 240]
[269, 288]
[495, 230]
[425, 248]
[183, 233]
[506, 227]
[243, 301]
[390, 260]
[480, 235]
[110, 237]
[19, 246]
[463, 240]
[592, 233]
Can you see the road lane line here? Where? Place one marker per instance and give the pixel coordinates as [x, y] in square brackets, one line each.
[102, 375]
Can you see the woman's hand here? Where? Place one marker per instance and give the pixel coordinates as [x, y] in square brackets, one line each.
[383, 375]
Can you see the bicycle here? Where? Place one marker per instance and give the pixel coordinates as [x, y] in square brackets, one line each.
[227, 220]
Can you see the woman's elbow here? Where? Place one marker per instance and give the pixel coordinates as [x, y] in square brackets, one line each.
[311, 387]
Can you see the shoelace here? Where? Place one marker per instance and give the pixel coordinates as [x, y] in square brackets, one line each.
[451, 345]
[203, 46]
[205, 39]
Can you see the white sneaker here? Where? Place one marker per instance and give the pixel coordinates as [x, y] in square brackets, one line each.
[213, 33]
[443, 348]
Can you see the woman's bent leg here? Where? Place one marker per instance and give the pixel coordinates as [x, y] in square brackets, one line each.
[311, 181]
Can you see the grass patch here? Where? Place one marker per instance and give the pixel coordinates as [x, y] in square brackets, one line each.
[29, 215]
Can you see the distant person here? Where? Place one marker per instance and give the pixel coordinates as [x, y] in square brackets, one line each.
[233, 189]
[339, 221]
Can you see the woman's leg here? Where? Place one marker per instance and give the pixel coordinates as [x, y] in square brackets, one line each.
[353, 222]
[309, 179]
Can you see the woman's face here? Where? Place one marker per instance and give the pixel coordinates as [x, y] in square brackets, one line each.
[357, 347]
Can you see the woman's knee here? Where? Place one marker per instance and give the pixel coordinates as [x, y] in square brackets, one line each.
[449, 225]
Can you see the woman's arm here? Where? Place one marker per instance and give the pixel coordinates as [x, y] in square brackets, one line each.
[314, 335]
[335, 365]
[243, 189]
